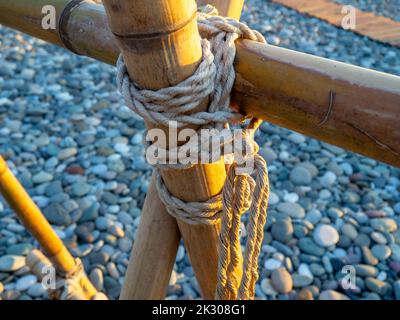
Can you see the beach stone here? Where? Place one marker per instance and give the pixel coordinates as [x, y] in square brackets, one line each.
[349, 231]
[300, 176]
[282, 230]
[291, 197]
[325, 235]
[293, 210]
[281, 280]
[297, 138]
[90, 213]
[25, 282]
[384, 225]
[368, 257]
[100, 258]
[332, 295]
[272, 264]
[42, 177]
[362, 240]
[305, 294]
[364, 270]
[395, 252]
[11, 295]
[21, 249]
[79, 189]
[307, 245]
[314, 216]
[125, 244]
[273, 198]
[378, 237]
[103, 223]
[328, 179]
[396, 289]
[267, 287]
[377, 286]
[10, 263]
[56, 214]
[301, 280]
[381, 252]
[37, 290]
[268, 154]
[67, 153]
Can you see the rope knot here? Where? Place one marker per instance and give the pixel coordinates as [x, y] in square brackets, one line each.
[246, 187]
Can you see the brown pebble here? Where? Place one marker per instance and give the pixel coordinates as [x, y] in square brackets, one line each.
[76, 170]
[305, 294]
[282, 280]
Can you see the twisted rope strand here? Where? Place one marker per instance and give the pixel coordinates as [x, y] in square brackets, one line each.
[214, 78]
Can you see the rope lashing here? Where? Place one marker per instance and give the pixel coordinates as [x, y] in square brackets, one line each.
[214, 78]
[69, 285]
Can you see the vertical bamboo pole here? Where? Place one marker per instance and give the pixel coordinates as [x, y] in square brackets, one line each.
[226, 8]
[166, 50]
[34, 221]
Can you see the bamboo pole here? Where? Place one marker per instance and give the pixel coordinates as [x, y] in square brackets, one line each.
[35, 222]
[226, 8]
[285, 87]
[166, 51]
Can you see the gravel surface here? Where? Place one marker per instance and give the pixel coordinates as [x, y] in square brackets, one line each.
[78, 151]
[386, 8]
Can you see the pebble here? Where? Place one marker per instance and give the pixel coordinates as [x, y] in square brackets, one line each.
[332, 295]
[305, 294]
[272, 264]
[281, 280]
[282, 230]
[57, 215]
[328, 179]
[64, 154]
[37, 290]
[25, 282]
[381, 252]
[300, 176]
[80, 189]
[349, 231]
[11, 263]
[325, 235]
[42, 177]
[307, 245]
[267, 287]
[377, 286]
[384, 225]
[364, 270]
[293, 210]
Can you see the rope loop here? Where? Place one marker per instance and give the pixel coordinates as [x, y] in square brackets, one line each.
[246, 189]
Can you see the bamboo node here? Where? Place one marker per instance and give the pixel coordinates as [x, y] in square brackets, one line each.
[63, 24]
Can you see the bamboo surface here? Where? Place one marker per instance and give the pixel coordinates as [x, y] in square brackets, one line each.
[166, 51]
[282, 86]
[35, 222]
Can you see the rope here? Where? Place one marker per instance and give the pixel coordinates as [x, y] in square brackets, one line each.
[214, 78]
[69, 287]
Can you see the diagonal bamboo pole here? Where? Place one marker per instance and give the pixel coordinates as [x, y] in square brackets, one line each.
[287, 88]
[34, 221]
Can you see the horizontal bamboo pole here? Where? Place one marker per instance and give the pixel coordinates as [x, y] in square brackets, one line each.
[348, 106]
[35, 222]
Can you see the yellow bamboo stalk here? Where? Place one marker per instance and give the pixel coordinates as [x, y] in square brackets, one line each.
[35, 222]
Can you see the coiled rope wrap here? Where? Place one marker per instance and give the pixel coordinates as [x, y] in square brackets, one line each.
[214, 78]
